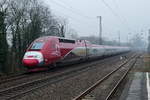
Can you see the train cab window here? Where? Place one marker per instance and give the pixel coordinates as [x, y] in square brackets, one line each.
[37, 46]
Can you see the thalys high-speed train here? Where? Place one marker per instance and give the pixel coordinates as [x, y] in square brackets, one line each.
[47, 51]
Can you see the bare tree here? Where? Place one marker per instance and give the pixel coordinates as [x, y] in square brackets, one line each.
[3, 36]
[24, 21]
[71, 33]
[62, 25]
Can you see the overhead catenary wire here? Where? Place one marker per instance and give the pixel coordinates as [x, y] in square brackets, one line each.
[74, 19]
[122, 19]
[116, 5]
[76, 10]
[72, 11]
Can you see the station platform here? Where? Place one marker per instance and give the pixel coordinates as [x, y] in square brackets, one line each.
[138, 86]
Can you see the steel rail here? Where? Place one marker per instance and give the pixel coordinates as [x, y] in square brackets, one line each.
[38, 81]
[87, 91]
[42, 79]
[12, 78]
[119, 82]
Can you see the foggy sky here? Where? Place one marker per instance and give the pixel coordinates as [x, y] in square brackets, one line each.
[126, 16]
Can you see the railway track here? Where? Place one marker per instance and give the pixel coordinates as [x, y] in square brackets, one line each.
[23, 88]
[12, 78]
[89, 91]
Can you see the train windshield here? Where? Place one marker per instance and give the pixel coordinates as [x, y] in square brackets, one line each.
[37, 46]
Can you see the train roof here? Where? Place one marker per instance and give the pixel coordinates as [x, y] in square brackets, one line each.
[47, 38]
[50, 37]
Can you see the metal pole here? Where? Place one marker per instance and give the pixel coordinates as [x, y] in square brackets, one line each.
[127, 39]
[119, 37]
[148, 49]
[100, 29]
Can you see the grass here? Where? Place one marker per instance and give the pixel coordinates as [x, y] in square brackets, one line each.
[146, 60]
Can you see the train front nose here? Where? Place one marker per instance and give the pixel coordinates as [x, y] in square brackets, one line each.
[33, 58]
[30, 62]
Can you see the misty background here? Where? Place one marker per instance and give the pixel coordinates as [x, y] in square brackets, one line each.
[129, 17]
[124, 23]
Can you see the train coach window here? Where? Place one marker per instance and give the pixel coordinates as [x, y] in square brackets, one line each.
[37, 46]
[66, 41]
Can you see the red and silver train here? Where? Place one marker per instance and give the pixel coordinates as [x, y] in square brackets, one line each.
[47, 51]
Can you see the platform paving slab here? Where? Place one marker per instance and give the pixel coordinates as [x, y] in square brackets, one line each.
[136, 89]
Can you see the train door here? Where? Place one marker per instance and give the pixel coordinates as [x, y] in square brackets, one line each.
[55, 48]
[88, 48]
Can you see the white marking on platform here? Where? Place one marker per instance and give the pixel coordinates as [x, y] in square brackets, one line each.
[148, 87]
